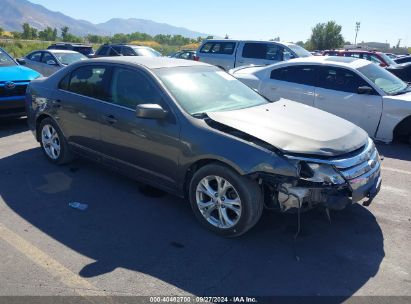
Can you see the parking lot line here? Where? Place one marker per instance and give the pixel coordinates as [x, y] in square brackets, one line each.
[396, 170]
[79, 285]
[398, 191]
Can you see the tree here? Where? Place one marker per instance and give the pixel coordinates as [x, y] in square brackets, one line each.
[120, 38]
[326, 36]
[16, 35]
[28, 32]
[95, 38]
[1, 31]
[72, 38]
[48, 34]
[64, 32]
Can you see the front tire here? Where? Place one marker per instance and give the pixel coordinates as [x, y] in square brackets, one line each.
[224, 201]
[53, 143]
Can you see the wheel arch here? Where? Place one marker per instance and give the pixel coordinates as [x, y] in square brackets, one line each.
[195, 166]
[403, 129]
[38, 123]
[42, 117]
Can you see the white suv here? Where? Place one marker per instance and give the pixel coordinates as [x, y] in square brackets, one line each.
[228, 54]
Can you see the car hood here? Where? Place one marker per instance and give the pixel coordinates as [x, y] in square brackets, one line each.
[295, 128]
[405, 99]
[400, 66]
[17, 73]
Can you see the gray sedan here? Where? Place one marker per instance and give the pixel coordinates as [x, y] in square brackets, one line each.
[197, 132]
[47, 62]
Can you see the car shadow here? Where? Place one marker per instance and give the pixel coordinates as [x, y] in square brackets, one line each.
[395, 150]
[12, 126]
[159, 236]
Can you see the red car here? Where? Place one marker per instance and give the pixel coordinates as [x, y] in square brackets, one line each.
[402, 71]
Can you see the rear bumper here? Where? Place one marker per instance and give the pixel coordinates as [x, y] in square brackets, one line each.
[12, 107]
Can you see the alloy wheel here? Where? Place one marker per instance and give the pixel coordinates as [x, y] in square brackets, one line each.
[218, 202]
[50, 141]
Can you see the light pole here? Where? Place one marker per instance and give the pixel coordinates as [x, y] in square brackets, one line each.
[357, 29]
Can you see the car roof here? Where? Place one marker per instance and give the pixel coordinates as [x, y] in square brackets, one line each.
[149, 62]
[129, 45]
[70, 44]
[61, 51]
[354, 51]
[248, 41]
[351, 62]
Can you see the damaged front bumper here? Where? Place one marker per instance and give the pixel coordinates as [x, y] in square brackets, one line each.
[332, 183]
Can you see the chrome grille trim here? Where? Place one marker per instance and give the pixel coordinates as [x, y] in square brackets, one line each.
[351, 167]
[362, 168]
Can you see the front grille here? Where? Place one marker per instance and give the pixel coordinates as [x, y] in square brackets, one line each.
[363, 162]
[18, 90]
[366, 164]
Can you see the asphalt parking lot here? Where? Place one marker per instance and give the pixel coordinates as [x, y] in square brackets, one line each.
[129, 242]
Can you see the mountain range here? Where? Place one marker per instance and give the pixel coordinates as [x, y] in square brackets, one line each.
[13, 13]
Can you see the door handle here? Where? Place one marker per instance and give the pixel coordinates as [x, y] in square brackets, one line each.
[110, 119]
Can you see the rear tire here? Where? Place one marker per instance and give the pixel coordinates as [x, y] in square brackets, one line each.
[224, 201]
[53, 143]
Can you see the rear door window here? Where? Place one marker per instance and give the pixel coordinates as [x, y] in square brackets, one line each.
[91, 81]
[304, 74]
[226, 48]
[340, 79]
[263, 51]
[255, 50]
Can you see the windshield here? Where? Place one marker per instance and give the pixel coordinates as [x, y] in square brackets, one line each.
[147, 52]
[5, 59]
[388, 59]
[383, 79]
[84, 50]
[69, 58]
[208, 89]
[299, 51]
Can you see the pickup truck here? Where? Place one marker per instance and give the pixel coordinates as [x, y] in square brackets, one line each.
[228, 54]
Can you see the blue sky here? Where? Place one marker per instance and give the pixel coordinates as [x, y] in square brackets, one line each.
[255, 19]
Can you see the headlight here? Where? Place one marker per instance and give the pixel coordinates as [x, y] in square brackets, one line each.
[320, 173]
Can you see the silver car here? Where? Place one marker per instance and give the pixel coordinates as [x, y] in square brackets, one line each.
[47, 62]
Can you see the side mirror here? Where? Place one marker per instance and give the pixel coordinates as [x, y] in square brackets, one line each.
[21, 61]
[365, 90]
[150, 111]
[51, 62]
